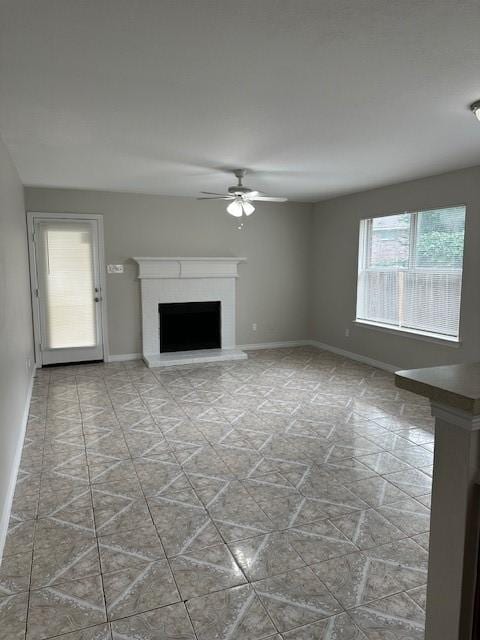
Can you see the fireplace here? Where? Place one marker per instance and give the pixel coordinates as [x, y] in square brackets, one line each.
[187, 326]
[181, 287]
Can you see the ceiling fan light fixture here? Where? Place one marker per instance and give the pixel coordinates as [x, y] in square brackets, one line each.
[235, 208]
[241, 197]
[475, 109]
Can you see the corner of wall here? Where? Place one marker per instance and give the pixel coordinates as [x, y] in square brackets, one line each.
[8, 500]
[16, 350]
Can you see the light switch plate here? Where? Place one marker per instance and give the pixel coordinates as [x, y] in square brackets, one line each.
[114, 268]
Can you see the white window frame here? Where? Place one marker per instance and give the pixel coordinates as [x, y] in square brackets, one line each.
[365, 234]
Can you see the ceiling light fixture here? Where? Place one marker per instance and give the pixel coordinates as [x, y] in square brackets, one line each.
[240, 197]
[239, 207]
[475, 109]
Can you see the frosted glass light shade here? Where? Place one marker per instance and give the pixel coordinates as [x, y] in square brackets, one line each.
[239, 207]
[235, 209]
[248, 208]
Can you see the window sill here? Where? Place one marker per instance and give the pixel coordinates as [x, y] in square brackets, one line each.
[406, 333]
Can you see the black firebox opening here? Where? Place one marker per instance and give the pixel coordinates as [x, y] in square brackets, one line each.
[186, 326]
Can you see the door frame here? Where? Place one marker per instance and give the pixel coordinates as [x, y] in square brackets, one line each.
[32, 216]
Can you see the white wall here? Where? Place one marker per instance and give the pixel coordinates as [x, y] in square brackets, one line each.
[273, 287]
[334, 247]
[16, 344]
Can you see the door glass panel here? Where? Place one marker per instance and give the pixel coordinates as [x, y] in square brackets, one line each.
[68, 284]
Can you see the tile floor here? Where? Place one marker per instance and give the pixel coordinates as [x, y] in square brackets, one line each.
[286, 497]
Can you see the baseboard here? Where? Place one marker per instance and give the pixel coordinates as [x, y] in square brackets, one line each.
[5, 517]
[123, 357]
[273, 345]
[355, 356]
[285, 345]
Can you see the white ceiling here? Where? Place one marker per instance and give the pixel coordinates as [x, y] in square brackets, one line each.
[316, 97]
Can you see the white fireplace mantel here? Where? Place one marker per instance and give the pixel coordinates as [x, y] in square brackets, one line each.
[186, 279]
[188, 267]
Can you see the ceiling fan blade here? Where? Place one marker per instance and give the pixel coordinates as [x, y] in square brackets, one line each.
[268, 199]
[216, 198]
[213, 193]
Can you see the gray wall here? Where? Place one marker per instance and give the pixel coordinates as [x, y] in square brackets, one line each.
[273, 286]
[334, 246]
[16, 344]
[300, 278]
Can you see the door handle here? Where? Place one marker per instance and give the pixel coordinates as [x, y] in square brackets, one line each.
[98, 299]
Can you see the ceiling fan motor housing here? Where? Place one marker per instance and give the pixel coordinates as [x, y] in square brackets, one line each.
[239, 190]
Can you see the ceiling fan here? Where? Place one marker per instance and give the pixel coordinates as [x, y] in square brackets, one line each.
[241, 197]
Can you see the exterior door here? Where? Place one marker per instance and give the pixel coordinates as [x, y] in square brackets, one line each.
[68, 317]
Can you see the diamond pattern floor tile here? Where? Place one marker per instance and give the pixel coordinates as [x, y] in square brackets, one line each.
[339, 627]
[139, 588]
[296, 598]
[265, 556]
[15, 573]
[362, 577]
[66, 607]
[205, 570]
[397, 616]
[286, 497]
[13, 616]
[166, 623]
[234, 613]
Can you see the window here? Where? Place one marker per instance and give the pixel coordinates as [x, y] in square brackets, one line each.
[410, 271]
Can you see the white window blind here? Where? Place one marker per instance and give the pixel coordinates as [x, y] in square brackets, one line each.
[67, 279]
[410, 271]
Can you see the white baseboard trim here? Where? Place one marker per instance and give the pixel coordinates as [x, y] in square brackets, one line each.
[273, 345]
[5, 517]
[123, 357]
[285, 345]
[355, 356]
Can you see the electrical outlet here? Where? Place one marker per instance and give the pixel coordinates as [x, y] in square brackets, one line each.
[347, 333]
[114, 268]
[254, 326]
